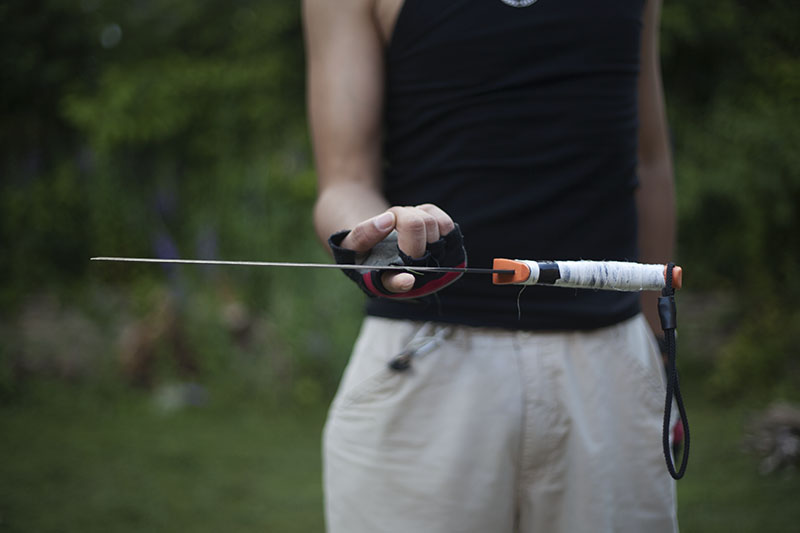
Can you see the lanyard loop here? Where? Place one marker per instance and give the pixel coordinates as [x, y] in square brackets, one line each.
[667, 312]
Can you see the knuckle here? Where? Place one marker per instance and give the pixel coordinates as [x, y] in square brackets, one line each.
[415, 224]
[431, 225]
[446, 226]
[443, 220]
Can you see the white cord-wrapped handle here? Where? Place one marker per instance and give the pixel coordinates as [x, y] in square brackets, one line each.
[606, 275]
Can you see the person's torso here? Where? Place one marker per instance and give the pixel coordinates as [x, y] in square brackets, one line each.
[521, 123]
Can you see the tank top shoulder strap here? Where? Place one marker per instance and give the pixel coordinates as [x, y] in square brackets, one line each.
[417, 17]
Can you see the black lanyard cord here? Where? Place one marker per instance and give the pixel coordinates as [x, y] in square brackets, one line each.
[668, 314]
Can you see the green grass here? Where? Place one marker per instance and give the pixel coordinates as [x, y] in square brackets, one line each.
[73, 460]
[88, 459]
[722, 490]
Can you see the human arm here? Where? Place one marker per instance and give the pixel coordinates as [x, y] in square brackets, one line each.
[655, 197]
[345, 100]
[345, 95]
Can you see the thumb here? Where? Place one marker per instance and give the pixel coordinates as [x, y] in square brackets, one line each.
[370, 232]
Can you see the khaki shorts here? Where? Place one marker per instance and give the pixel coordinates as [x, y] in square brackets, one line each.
[499, 431]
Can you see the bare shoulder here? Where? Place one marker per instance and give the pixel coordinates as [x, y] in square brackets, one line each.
[386, 12]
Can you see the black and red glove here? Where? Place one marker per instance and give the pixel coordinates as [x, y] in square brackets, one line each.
[448, 251]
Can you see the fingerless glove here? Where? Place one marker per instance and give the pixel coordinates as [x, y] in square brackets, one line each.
[448, 251]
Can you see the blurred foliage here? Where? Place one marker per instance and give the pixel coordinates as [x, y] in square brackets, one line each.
[146, 123]
[167, 127]
[732, 80]
[163, 128]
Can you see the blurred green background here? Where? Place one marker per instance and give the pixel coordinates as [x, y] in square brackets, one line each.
[137, 397]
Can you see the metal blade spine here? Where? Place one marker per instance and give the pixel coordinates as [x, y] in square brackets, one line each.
[466, 270]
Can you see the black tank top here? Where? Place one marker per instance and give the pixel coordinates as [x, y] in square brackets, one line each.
[521, 123]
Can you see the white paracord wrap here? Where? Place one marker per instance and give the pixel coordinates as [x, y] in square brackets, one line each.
[608, 275]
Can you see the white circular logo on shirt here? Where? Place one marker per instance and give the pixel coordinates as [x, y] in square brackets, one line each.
[518, 3]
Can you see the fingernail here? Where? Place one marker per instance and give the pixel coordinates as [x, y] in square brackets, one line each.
[385, 221]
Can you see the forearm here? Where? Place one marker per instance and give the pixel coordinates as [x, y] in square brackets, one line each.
[345, 102]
